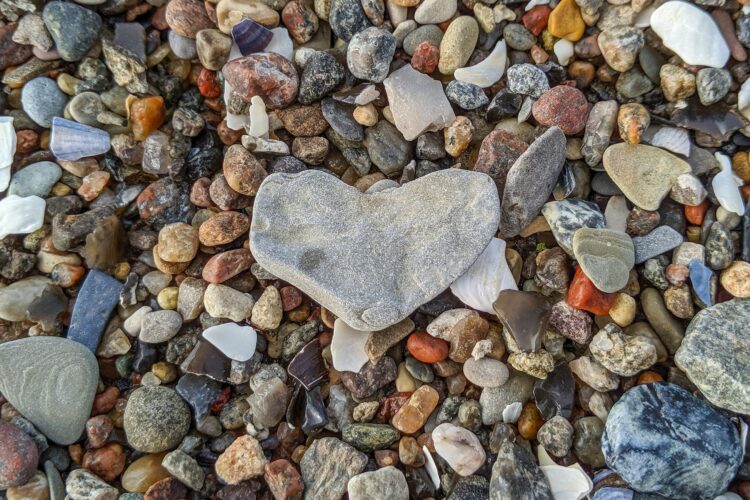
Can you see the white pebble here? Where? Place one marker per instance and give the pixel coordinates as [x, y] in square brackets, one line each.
[348, 347]
[235, 341]
[512, 412]
[563, 50]
[258, 118]
[459, 447]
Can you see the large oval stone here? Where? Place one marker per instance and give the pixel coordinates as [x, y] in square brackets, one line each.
[269, 75]
[372, 259]
[661, 439]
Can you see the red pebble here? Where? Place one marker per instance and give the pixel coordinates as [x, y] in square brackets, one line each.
[582, 294]
[208, 85]
[426, 348]
[535, 20]
[425, 58]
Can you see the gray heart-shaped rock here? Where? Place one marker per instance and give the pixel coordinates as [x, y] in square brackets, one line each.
[52, 382]
[372, 259]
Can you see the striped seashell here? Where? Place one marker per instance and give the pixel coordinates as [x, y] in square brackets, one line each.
[251, 37]
[72, 140]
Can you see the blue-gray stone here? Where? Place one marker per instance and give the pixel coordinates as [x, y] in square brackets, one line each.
[700, 278]
[466, 95]
[35, 180]
[42, 100]
[97, 299]
[74, 29]
[659, 241]
[661, 439]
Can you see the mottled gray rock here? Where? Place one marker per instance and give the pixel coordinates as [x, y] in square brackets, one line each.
[565, 217]
[185, 468]
[530, 181]
[52, 382]
[347, 18]
[606, 257]
[622, 354]
[661, 439]
[518, 389]
[556, 435]
[373, 274]
[516, 475]
[160, 326]
[659, 241]
[527, 79]
[82, 484]
[35, 180]
[599, 127]
[388, 482]
[327, 466]
[370, 53]
[586, 444]
[42, 100]
[388, 149]
[73, 28]
[715, 354]
[156, 419]
[466, 95]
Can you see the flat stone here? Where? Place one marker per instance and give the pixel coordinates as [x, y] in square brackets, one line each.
[42, 100]
[715, 355]
[96, 300]
[660, 240]
[35, 180]
[692, 451]
[606, 257]
[388, 482]
[565, 217]
[52, 382]
[327, 466]
[368, 437]
[379, 342]
[371, 298]
[459, 447]
[74, 29]
[530, 181]
[515, 474]
[160, 326]
[645, 174]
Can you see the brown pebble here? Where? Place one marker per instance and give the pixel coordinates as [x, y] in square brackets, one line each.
[223, 228]
[226, 265]
[530, 421]
[168, 488]
[105, 401]
[107, 462]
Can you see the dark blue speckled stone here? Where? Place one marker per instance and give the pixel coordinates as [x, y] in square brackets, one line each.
[662, 439]
[97, 299]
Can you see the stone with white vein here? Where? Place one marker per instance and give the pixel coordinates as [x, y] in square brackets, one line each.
[691, 33]
[487, 72]
[348, 347]
[21, 215]
[235, 341]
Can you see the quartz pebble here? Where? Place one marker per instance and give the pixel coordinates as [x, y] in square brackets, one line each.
[459, 447]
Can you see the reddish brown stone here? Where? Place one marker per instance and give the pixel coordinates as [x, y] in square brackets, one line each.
[426, 348]
[159, 19]
[588, 47]
[283, 480]
[303, 121]
[225, 265]
[582, 73]
[268, 75]
[727, 27]
[535, 20]
[242, 171]
[300, 20]
[562, 106]
[26, 141]
[426, 57]
[168, 488]
[225, 197]
[498, 152]
[18, 456]
[199, 193]
[385, 458]
[227, 135]
[67, 275]
[223, 228]
[389, 405]
[98, 430]
[105, 401]
[11, 54]
[187, 17]
[107, 462]
[291, 298]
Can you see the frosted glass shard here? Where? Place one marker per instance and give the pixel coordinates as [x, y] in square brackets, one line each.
[72, 140]
[258, 118]
[418, 103]
[21, 215]
[348, 347]
[567, 483]
[486, 278]
[7, 141]
[234, 341]
[281, 43]
[489, 71]
[725, 187]
[674, 139]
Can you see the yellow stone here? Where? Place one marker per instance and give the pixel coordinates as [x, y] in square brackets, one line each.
[144, 472]
[566, 21]
[166, 372]
[415, 412]
[167, 298]
[366, 115]
[404, 380]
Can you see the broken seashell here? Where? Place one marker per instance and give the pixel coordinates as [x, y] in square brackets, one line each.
[432, 470]
[251, 37]
[21, 215]
[674, 139]
[72, 140]
[489, 71]
[486, 278]
[235, 341]
[348, 347]
[512, 412]
[567, 483]
[7, 141]
[726, 188]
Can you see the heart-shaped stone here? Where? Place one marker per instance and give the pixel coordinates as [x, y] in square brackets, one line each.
[372, 259]
[52, 382]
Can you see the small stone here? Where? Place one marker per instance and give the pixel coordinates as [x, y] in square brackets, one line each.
[605, 256]
[81, 483]
[587, 442]
[41, 98]
[622, 354]
[458, 135]
[19, 456]
[623, 310]
[594, 374]
[516, 474]
[73, 28]
[528, 80]
[370, 378]
[369, 54]
[268, 75]
[242, 171]
[414, 413]
[643, 427]
[485, 372]
[525, 327]
[517, 37]
[321, 74]
[566, 217]
[537, 364]
[156, 419]
[283, 480]
[387, 481]
[712, 85]
[370, 437]
[347, 18]
[565, 21]
[632, 121]
[212, 47]
[457, 44]
[556, 435]
[435, 11]
[267, 312]
[659, 241]
[241, 461]
[222, 301]
[620, 46]
[159, 326]
[562, 106]
[677, 83]
[459, 447]
[36, 179]
[328, 465]
[736, 279]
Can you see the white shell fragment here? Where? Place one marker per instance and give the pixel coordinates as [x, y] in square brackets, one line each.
[237, 342]
[691, 33]
[674, 139]
[348, 347]
[21, 215]
[567, 483]
[743, 98]
[431, 467]
[7, 141]
[488, 276]
[725, 187]
[563, 50]
[489, 71]
[512, 412]
[258, 118]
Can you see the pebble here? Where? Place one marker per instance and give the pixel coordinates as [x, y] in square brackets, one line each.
[159, 326]
[657, 242]
[594, 374]
[36, 179]
[241, 461]
[565, 21]
[564, 107]
[46, 362]
[360, 314]
[19, 456]
[387, 481]
[81, 484]
[267, 312]
[73, 28]
[605, 256]
[42, 99]
[457, 44]
[644, 174]
[156, 419]
[643, 427]
[369, 54]
[268, 75]
[348, 351]
[587, 442]
[515, 473]
[620, 45]
[328, 465]
[556, 435]
[621, 354]
[466, 95]
[485, 372]
[527, 79]
[96, 300]
[712, 85]
[321, 74]
[222, 301]
[459, 447]
[677, 83]
[565, 217]
[435, 11]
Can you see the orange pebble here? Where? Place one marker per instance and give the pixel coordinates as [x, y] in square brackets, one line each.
[426, 348]
[582, 294]
[695, 214]
[530, 421]
[208, 84]
[146, 116]
[649, 377]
